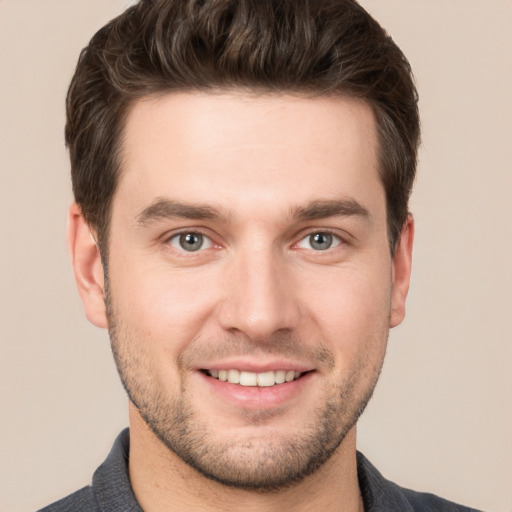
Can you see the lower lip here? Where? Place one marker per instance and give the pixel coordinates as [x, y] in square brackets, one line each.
[256, 397]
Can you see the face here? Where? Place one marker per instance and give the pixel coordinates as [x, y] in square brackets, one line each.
[251, 286]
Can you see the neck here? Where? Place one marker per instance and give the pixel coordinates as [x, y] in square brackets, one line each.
[162, 481]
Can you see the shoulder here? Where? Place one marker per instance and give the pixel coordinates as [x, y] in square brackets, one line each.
[110, 490]
[82, 500]
[381, 495]
[426, 502]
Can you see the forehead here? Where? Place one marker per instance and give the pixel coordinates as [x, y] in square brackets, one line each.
[241, 149]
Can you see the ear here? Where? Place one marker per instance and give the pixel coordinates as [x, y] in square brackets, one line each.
[401, 272]
[86, 261]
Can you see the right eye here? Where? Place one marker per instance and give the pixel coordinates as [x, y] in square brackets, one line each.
[319, 241]
[190, 241]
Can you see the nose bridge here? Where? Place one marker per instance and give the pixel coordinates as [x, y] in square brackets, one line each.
[259, 296]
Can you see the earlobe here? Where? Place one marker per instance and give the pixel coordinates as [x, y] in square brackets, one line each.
[401, 265]
[87, 267]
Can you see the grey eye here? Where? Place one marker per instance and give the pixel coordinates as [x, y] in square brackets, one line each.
[190, 242]
[319, 241]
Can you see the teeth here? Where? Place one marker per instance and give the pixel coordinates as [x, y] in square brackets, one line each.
[265, 379]
[248, 379]
[280, 376]
[233, 376]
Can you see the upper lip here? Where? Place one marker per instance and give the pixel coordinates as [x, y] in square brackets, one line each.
[256, 366]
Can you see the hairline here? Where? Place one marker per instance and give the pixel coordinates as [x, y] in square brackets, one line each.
[103, 232]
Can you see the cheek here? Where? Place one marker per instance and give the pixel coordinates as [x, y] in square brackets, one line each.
[352, 308]
[162, 304]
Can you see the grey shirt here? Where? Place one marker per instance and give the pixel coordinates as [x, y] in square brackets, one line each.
[111, 490]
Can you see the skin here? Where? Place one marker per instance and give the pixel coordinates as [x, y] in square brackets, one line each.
[256, 176]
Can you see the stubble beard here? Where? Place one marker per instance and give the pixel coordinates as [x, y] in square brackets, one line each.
[265, 464]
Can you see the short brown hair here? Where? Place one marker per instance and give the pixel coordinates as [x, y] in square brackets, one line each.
[319, 47]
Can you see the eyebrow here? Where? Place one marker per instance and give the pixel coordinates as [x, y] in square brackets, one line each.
[320, 209]
[331, 208]
[168, 209]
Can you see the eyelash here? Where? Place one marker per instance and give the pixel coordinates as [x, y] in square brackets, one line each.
[335, 240]
[175, 241]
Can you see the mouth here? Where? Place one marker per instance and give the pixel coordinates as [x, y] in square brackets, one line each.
[252, 379]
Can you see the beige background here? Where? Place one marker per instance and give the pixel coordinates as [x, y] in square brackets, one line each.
[441, 419]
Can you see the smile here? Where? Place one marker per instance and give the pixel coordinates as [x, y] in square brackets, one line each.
[264, 379]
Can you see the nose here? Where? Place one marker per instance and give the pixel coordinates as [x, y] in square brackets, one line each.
[259, 298]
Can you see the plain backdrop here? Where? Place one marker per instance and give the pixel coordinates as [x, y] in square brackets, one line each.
[441, 418]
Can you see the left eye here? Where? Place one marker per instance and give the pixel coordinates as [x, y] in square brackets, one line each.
[190, 242]
[319, 241]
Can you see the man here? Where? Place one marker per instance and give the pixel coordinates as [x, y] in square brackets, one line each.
[241, 172]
